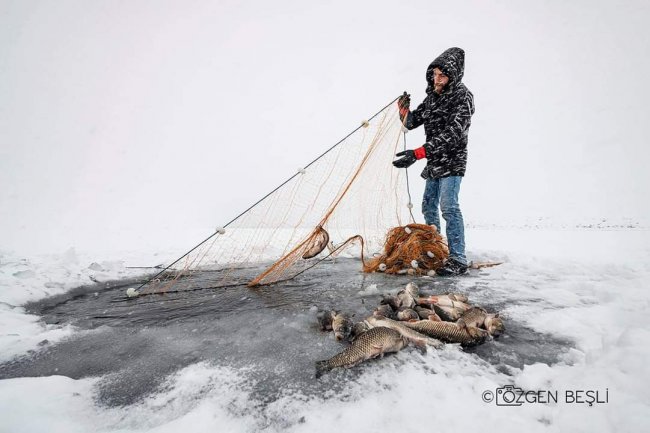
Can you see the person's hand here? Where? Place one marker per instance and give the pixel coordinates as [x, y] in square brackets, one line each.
[404, 103]
[407, 159]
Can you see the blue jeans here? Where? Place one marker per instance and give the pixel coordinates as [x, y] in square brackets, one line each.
[444, 191]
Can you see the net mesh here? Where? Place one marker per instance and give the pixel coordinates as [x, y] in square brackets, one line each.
[343, 202]
[415, 249]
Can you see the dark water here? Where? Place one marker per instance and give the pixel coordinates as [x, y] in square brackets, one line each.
[135, 344]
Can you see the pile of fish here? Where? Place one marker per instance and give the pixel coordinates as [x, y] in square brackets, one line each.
[408, 318]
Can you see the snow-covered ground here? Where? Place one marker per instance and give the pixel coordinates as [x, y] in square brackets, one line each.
[588, 287]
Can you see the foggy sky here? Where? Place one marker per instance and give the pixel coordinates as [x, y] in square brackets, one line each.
[150, 117]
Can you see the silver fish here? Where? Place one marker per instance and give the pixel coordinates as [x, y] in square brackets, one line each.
[371, 344]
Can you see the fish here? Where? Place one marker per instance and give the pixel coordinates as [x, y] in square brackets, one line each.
[325, 319]
[373, 343]
[407, 314]
[478, 317]
[418, 339]
[408, 295]
[342, 326]
[412, 289]
[317, 243]
[475, 316]
[458, 297]
[444, 315]
[427, 314]
[447, 314]
[494, 325]
[391, 300]
[450, 332]
[444, 301]
[358, 329]
[384, 310]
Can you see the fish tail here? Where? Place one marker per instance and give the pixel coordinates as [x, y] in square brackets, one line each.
[421, 345]
[435, 343]
[322, 367]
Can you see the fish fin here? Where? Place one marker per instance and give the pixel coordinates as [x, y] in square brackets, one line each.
[434, 318]
[475, 332]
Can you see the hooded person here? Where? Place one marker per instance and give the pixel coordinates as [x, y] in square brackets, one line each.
[446, 114]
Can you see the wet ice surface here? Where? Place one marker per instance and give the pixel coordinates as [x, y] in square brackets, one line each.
[270, 333]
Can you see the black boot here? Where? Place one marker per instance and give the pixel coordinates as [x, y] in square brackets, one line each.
[452, 267]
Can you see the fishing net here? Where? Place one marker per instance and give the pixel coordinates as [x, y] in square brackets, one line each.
[415, 249]
[344, 202]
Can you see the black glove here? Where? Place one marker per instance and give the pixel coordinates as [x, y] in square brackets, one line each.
[407, 159]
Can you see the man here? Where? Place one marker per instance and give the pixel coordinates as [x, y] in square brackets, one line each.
[446, 114]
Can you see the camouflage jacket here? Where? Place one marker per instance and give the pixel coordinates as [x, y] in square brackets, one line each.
[446, 118]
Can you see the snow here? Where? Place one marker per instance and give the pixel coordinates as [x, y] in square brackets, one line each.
[572, 284]
[370, 289]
